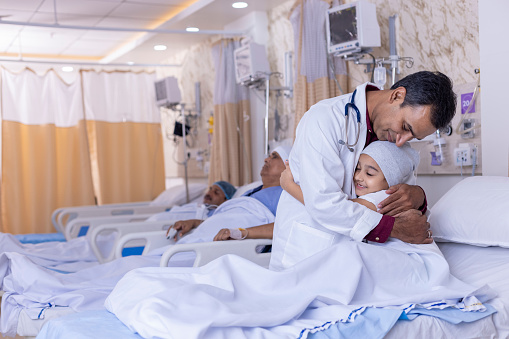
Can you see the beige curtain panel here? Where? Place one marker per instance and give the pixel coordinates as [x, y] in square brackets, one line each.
[97, 140]
[314, 80]
[231, 140]
[124, 133]
[45, 161]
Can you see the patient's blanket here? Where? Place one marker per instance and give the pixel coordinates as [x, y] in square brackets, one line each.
[234, 298]
[76, 252]
[34, 288]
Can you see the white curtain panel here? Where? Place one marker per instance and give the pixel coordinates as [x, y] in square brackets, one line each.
[120, 97]
[33, 99]
[313, 56]
[226, 89]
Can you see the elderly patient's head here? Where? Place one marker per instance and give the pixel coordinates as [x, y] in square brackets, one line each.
[219, 192]
[274, 165]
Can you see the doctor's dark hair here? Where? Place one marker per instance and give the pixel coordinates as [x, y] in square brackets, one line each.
[430, 88]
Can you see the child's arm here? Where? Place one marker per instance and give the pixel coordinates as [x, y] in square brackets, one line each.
[366, 203]
[289, 185]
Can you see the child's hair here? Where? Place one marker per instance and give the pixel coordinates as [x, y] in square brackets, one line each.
[396, 163]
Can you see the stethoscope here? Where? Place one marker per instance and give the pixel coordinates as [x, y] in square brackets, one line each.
[352, 105]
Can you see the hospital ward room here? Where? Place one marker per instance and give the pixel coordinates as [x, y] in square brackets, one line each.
[259, 169]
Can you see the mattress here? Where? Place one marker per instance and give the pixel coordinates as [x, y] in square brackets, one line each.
[474, 265]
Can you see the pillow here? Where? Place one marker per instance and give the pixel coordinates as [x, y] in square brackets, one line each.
[243, 189]
[475, 211]
[176, 195]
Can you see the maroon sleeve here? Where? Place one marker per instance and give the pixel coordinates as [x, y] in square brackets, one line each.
[384, 228]
[382, 231]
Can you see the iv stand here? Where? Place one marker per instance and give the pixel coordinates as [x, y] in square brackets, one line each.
[393, 58]
[183, 113]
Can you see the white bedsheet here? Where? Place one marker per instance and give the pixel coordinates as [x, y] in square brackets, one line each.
[32, 288]
[233, 298]
[77, 252]
[476, 266]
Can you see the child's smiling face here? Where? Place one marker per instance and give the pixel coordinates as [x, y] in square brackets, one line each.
[368, 176]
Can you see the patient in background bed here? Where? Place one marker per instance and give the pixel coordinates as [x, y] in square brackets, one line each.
[268, 193]
[78, 252]
[381, 164]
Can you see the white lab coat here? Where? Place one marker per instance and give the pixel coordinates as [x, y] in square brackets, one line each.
[324, 170]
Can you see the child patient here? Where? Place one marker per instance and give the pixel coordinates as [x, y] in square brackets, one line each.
[381, 164]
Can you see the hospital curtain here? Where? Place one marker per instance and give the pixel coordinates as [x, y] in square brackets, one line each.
[124, 133]
[231, 142]
[45, 162]
[314, 81]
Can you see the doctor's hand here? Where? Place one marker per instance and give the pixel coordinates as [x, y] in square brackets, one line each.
[402, 198]
[184, 226]
[412, 227]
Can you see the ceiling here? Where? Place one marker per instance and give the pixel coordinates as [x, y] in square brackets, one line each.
[70, 44]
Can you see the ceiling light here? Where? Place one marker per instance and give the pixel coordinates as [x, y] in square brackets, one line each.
[192, 29]
[239, 4]
[130, 63]
[160, 47]
[67, 69]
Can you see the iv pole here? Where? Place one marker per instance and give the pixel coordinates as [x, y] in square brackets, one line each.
[183, 113]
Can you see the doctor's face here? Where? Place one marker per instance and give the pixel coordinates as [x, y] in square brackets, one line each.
[398, 124]
[368, 176]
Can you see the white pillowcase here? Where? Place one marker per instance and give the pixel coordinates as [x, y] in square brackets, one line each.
[176, 195]
[475, 211]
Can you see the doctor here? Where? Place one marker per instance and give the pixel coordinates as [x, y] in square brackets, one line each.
[323, 158]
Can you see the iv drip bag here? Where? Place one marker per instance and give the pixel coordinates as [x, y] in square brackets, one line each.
[379, 76]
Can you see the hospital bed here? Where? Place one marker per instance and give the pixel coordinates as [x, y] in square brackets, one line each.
[205, 252]
[471, 226]
[168, 198]
[468, 263]
[133, 238]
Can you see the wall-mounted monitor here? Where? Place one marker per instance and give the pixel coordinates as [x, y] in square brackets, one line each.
[352, 28]
[167, 92]
[250, 62]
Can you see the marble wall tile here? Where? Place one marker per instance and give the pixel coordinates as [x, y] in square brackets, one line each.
[439, 35]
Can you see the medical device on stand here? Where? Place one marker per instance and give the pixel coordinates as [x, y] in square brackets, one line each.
[252, 70]
[168, 96]
[352, 31]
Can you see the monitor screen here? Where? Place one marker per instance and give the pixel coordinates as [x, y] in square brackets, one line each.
[343, 26]
[352, 28]
[160, 90]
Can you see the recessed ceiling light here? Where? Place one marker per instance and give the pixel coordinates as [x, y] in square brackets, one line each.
[239, 4]
[160, 47]
[67, 69]
[130, 62]
[192, 29]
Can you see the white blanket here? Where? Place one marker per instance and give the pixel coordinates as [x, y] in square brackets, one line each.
[76, 252]
[32, 287]
[233, 298]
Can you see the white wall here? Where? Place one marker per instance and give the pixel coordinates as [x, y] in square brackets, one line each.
[494, 50]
